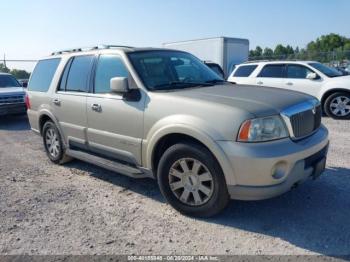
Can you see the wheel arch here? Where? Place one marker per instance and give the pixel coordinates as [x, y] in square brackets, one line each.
[45, 116]
[169, 136]
[332, 91]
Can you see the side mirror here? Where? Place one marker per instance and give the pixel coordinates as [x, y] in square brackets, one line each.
[311, 76]
[119, 85]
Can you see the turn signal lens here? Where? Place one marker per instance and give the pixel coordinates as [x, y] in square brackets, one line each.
[244, 131]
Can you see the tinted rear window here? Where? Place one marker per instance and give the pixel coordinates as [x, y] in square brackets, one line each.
[42, 75]
[8, 81]
[276, 71]
[78, 74]
[245, 71]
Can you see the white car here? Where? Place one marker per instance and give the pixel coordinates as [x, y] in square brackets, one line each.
[314, 78]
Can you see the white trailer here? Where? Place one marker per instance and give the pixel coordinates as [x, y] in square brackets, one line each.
[225, 51]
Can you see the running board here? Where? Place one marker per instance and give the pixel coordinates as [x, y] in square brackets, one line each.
[114, 166]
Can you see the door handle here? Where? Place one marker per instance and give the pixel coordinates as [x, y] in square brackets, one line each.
[260, 83]
[56, 101]
[96, 107]
[289, 84]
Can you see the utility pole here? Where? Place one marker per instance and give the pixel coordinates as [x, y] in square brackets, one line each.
[5, 61]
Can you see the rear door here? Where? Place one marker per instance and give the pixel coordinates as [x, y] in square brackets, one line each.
[115, 124]
[296, 80]
[69, 101]
[271, 75]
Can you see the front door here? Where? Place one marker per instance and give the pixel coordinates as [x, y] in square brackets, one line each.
[115, 125]
[296, 79]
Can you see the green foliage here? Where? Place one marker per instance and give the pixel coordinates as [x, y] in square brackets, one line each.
[324, 49]
[19, 74]
[4, 69]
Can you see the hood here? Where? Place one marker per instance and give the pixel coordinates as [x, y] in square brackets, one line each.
[340, 79]
[260, 101]
[11, 90]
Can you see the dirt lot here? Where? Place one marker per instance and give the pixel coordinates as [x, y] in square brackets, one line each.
[82, 209]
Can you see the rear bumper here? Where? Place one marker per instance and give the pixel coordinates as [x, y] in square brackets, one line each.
[269, 169]
[10, 109]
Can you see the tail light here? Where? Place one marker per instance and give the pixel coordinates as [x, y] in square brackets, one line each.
[26, 99]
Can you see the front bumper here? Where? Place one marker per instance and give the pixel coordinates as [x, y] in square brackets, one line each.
[265, 170]
[11, 109]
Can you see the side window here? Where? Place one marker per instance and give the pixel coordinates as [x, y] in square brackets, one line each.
[42, 75]
[79, 72]
[245, 71]
[108, 66]
[297, 71]
[63, 82]
[274, 71]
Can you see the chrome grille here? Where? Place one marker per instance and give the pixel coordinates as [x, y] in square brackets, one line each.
[303, 119]
[304, 123]
[11, 99]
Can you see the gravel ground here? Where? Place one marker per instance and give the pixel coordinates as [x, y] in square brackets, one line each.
[82, 209]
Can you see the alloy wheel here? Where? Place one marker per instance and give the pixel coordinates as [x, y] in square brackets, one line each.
[191, 181]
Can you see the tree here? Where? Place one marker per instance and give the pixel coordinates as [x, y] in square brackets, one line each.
[4, 69]
[20, 74]
[280, 51]
[268, 53]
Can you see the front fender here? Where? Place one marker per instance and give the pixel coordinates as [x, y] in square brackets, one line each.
[196, 129]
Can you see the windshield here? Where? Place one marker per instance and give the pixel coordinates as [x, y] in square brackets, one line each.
[8, 81]
[328, 71]
[169, 70]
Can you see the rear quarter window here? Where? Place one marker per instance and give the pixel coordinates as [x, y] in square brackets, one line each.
[42, 75]
[245, 71]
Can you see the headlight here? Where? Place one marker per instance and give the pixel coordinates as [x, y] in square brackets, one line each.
[262, 129]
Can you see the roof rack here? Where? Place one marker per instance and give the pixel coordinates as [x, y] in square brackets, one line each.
[81, 49]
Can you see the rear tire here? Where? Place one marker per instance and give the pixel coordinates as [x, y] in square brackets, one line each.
[337, 105]
[192, 181]
[53, 144]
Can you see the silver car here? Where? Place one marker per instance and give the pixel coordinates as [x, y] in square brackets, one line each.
[164, 114]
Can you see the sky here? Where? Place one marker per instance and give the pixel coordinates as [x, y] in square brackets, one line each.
[33, 29]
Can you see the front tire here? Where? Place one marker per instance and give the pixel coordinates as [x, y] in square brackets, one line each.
[192, 181]
[337, 105]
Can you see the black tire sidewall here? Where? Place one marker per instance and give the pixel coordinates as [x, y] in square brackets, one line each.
[47, 126]
[327, 104]
[220, 196]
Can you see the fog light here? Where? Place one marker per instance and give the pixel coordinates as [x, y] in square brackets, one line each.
[279, 170]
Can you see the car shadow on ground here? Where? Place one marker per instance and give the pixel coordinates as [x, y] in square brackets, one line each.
[14, 123]
[315, 216]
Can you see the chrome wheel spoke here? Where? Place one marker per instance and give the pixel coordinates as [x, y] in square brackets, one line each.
[176, 185]
[205, 177]
[204, 189]
[197, 197]
[184, 166]
[176, 173]
[196, 166]
[185, 194]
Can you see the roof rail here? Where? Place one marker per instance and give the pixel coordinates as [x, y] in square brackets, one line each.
[81, 49]
[257, 61]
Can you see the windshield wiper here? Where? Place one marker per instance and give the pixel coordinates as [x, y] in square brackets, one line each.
[215, 81]
[179, 84]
